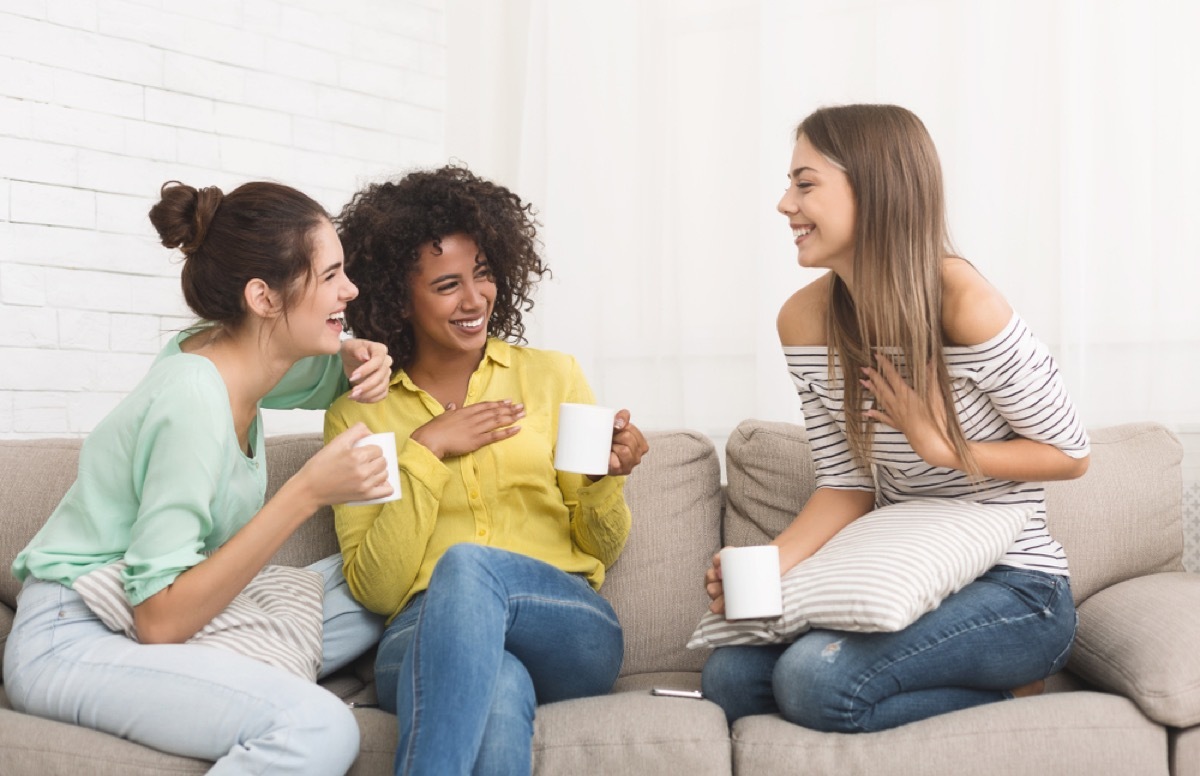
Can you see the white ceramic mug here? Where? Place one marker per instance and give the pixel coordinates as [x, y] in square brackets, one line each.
[750, 576]
[585, 433]
[385, 441]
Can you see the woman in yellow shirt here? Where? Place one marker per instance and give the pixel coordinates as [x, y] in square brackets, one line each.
[488, 566]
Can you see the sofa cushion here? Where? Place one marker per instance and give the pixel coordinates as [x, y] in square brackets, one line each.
[770, 472]
[316, 538]
[1185, 752]
[1064, 734]
[34, 476]
[656, 585]
[31, 745]
[276, 619]
[1124, 518]
[881, 572]
[1138, 638]
[631, 732]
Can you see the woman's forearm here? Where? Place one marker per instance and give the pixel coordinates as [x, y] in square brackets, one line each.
[1023, 460]
[827, 511]
[195, 597]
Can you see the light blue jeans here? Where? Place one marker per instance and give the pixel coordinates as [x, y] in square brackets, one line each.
[1008, 628]
[62, 663]
[465, 664]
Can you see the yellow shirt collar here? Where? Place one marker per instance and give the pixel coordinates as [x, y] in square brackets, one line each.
[496, 350]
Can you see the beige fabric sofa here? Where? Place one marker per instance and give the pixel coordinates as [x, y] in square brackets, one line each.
[1129, 703]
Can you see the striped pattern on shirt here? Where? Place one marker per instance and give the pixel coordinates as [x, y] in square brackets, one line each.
[1005, 388]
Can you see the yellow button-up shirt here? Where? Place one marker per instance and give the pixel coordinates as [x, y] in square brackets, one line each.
[506, 494]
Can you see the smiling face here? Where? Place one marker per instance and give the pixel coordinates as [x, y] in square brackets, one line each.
[315, 321]
[819, 205]
[451, 300]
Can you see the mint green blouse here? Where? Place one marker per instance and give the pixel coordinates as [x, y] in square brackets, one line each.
[162, 480]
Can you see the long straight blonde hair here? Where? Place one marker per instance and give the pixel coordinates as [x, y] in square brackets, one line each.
[900, 240]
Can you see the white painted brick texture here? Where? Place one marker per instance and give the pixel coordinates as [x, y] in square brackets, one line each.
[101, 101]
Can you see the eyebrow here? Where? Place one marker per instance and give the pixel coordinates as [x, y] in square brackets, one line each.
[797, 172]
[330, 268]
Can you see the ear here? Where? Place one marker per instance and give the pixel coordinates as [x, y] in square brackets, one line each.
[262, 300]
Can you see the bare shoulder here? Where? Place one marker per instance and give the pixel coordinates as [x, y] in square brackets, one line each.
[973, 311]
[801, 320]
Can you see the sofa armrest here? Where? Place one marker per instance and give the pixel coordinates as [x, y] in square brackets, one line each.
[1138, 638]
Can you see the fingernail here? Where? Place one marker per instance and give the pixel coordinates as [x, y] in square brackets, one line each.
[620, 423]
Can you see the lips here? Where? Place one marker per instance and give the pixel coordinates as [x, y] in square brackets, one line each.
[337, 320]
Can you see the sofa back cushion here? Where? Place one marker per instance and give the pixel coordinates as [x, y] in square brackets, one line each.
[770, 472]
[34, 476]
[1120, 520]
[317, 537]
[657, 584]
[1124, 518]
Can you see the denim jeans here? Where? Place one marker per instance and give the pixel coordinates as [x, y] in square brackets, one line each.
[62, 663]
[1006, 629]
[465, 664]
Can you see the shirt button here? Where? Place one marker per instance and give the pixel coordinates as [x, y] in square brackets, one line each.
[483, 532]
[474, 494]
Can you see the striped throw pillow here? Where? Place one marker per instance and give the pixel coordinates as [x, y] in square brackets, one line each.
[881, 572]
[277, 619]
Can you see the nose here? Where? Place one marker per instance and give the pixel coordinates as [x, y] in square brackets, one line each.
[350, 291]
[473, 295]
[786, 205]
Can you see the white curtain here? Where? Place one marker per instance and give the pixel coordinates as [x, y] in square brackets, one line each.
[654, 138]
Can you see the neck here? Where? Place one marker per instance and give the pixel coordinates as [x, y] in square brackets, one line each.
[847, 278]
[444, 376]
[247, 363]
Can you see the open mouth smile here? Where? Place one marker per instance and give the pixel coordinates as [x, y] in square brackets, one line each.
[472, 324]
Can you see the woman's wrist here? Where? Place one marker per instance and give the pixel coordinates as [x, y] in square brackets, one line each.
[421, 438]
[298, 497]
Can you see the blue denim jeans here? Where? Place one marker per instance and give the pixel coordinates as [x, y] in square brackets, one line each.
[62, 663]
[1006, 629]
[465, 664]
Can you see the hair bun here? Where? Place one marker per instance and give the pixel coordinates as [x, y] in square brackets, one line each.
[183, 214]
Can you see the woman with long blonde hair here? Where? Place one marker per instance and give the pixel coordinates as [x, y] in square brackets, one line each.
[917, 380]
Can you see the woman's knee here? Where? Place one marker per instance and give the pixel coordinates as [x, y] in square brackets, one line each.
[811, 688]
[723, 676]
[462, 566]
[321, 733]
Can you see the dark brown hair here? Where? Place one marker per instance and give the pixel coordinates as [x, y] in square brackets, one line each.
[900, 241]
[385, 225]
[259, 230]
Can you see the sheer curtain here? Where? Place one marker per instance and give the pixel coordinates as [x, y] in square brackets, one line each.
[654, 138]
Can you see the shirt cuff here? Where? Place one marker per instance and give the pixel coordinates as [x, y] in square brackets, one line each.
[602, 490]
[423, 466]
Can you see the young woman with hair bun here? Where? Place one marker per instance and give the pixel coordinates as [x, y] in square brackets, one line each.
[172, 483]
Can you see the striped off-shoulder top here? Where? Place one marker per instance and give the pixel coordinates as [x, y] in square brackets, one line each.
[1004, 388]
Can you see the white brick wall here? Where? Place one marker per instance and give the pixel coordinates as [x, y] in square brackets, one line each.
[101, 101]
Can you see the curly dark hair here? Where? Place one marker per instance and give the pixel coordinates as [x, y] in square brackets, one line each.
[384, 227]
